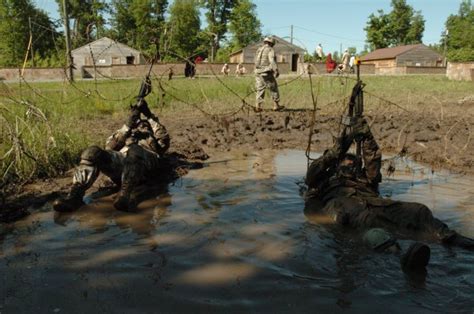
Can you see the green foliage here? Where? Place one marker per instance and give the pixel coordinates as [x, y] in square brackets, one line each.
[139, 24]
[223, 53]
[88, 19]
[183, 28]
[460, 39]
[217, 14]
[352, 50]
[244, 26]
[14, 32]
[402, 26]
[308, 58]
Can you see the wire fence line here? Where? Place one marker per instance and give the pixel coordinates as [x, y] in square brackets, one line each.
[30, 144]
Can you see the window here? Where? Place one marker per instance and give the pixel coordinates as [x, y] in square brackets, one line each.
[130, 60]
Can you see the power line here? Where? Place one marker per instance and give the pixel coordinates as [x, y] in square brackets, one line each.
[330, 35]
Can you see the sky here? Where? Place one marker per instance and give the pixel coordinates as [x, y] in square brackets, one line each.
[335, 24]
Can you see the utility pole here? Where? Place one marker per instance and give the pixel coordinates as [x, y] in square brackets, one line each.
[31, 48]
[291, 34]
[445, 47]
[68, 42]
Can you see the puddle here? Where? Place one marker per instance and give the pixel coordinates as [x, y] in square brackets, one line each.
[230, 237]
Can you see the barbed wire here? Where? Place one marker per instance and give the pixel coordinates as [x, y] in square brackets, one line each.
[15, 128]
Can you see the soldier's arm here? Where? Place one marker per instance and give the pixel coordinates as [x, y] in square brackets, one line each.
[372, 160]
[160, 134]
[117, 140]
[370, 152]
[272, 60]
[324, 166]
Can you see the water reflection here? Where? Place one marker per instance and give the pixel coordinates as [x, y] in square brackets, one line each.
[231, 237]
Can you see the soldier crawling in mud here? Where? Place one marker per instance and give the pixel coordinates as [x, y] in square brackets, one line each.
[345, 187]
[131, 155]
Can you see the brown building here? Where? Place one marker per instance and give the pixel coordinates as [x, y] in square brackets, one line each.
[417, 55]
[285, 52]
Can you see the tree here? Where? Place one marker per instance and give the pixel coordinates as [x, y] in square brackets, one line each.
[402, 26]
[138, 23]
[183, 28]
[88, 19]
[15, 32]
[460, 34]
[217, 16]
[244, 26]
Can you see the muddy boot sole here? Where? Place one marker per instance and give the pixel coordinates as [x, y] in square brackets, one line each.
[416, 257]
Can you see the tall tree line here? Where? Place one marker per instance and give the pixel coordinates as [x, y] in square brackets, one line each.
[155, 27]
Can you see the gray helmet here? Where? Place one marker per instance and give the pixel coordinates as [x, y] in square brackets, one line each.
[269, 40]
[378, 239]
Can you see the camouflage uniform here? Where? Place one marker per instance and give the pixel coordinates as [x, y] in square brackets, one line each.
[351, 198]
[265, 70]
[130, 157]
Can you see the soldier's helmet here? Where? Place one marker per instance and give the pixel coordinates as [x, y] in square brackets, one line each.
[269, 40]
[378, 239]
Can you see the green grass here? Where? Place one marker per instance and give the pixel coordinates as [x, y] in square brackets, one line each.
[76, 113]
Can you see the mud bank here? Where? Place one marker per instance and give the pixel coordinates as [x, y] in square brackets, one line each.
[437, 139]
[439, 142]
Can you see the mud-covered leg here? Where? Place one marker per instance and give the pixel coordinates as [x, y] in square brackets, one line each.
[260, 94]
[133, 173]
[139, 165]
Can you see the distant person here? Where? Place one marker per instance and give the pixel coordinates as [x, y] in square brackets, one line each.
[266, 72]
[225, 69]
[319, 53]
[351, 64]
[189, 69]
[170, 74]
[330, 64]
[240, 69]
[198, 60]
[345, 61]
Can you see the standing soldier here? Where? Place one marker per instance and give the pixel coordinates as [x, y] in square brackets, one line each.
[266, 70]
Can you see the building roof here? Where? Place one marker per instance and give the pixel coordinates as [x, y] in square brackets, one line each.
[388, 53]
[106, 42]
[279, 41]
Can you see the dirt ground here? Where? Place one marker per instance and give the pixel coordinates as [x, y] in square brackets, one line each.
[440, 138]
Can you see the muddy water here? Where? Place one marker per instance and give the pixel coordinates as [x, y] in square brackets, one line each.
[231, 237]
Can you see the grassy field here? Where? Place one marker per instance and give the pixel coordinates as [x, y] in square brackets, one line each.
[44, 126]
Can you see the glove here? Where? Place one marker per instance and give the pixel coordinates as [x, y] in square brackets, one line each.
[143, 108]
[133, 118]
[277, 73]
[360, 129]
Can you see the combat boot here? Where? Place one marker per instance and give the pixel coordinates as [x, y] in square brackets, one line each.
[125, 201]
[72, 201]
[416, 257]
[277, 107]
